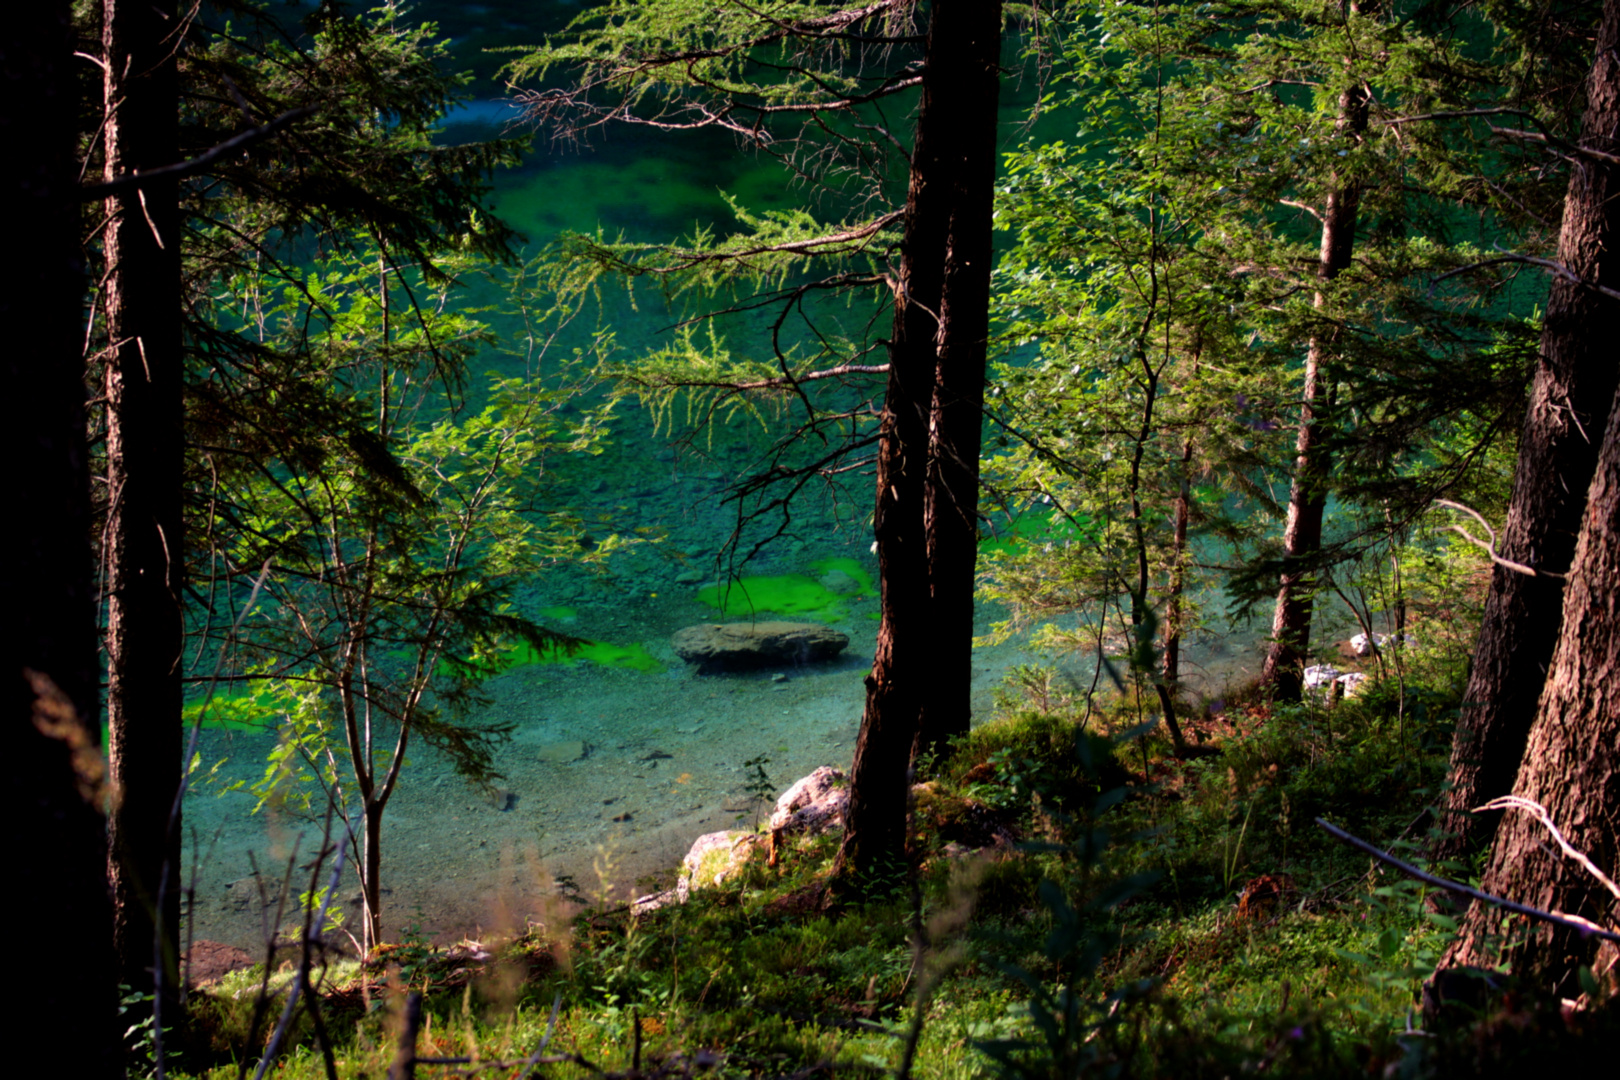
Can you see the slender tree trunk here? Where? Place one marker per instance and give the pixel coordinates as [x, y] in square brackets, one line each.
[928, 450]
[1174, 613]
[1307, 499]
[58, 849]
[144, 451]
[1558, 449]
[1570, 765]
[372, 880]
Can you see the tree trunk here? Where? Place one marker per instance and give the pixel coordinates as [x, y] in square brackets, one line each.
[962, 160]
[927, 469]
[1558, 450]
[1302, 533]
[58, 847]
[1174, 602]
[1570, 766]
[144, 454]
[371, 882]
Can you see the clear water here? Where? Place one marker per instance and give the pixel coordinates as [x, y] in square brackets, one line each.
[615, 767]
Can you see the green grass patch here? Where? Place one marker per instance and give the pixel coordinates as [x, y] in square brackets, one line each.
[802, 595]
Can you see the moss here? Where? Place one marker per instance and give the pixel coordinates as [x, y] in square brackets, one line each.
[601, 653]
[793, 594]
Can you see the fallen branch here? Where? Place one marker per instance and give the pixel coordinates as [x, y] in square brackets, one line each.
[1569, 922]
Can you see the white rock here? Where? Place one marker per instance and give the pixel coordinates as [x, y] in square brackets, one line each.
[1318, 676]
[1351, 682]
[1362, 647]
[813, 805]
[712, 858]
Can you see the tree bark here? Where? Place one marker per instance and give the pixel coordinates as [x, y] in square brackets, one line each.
[144, 457]
[1283, 671]
[1570, 766]
[58, 848]
[1558, 451]
[961, 158]
[927, 471]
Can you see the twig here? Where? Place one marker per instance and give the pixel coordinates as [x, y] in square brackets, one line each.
[1539, 812]
[1569, 922]
[1488, 547]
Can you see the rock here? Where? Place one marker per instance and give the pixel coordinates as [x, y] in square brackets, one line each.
[561, 753]
[712, 858]
[741, 646]
[1362, 647]
[690, 577]
[1349, 684]
[1320, 676]
[209, 961]
[811, 806]
[836, 581]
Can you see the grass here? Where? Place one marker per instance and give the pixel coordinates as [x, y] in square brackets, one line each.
[1098, 931]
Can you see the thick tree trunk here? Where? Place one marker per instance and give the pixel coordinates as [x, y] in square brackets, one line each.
[927, 469]
[58, 849]
[962, 160]
[1302, 533]
[1570, 766]
[144, 451]
[1558, 450]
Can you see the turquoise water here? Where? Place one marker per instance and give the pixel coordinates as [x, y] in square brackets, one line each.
[621, 755]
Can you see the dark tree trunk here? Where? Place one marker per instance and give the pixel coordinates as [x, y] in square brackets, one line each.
[1558, 450]
[927, 483]
[1302, 533]
[57, 854]
[1570, 765]
[144, 452]
[961, 159]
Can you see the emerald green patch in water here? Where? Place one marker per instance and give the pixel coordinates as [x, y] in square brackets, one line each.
[558, 612]
[601, 653]
[234, 712]
[795, 594]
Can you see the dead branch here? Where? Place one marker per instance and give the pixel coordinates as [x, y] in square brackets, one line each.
[1539, 812]
[92, 192]
[1569, 922]
[1488, 547]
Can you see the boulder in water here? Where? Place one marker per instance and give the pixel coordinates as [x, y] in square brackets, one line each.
[741, 646]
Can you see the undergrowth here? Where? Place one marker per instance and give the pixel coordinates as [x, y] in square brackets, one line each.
[1080, 903]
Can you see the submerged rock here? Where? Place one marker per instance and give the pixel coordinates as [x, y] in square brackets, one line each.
[741, 646]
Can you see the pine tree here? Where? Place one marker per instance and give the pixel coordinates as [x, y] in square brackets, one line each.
[809, 84]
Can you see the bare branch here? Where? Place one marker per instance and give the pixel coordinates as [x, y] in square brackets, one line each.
[92, 192]
[1563, 148]
[1539, 812]
[1569, 922]
[1488, 547]
[1558, 269]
